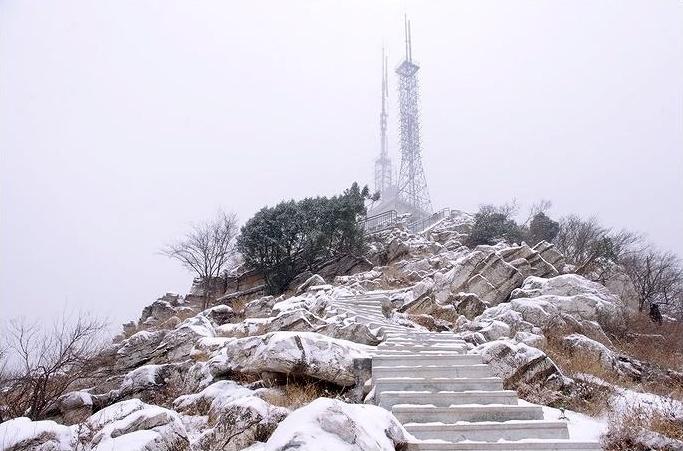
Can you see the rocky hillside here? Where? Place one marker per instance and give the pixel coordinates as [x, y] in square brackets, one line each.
[276, 373]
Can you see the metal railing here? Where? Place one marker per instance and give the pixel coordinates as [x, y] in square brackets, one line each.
[379, 222]
[421, 224]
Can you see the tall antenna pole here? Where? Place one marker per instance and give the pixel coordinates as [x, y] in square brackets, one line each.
[383, 164]
[412, 183]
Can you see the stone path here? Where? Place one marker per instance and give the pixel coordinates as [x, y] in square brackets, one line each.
[446, 398]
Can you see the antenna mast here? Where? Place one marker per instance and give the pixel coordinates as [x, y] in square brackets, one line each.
[412, 183]
[383, 164]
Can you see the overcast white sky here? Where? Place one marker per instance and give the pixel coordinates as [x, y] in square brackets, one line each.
[122, 122]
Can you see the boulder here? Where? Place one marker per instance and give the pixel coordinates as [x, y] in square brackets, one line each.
[177, 344]
[22, 434]
[240, 423]
[332, 425]
[212, 399]
[156, 313]
[551, 255]
[261, 307]
[467, 304]
[135, 426]
[577, 344]
[518, 363]
[396, 249]
[246, 328]
[576, 296]
[219, 315]
[351, 331]
[314, 280]
[138, 348]
[303, 353]
[74, 407]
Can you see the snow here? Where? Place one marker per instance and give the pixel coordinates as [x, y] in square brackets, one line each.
[330, 425]
[18, 430]
[581, 427]
[217, 394]
[114, 413]
[133, 441]
[143, 376]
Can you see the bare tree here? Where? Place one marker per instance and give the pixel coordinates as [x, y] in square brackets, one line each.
[207, 250]
[657, 277]
[592, 248]
[39, 365]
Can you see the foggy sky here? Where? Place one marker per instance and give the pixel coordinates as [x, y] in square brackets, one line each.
[123, 122]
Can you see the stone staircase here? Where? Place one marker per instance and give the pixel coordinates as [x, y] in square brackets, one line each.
[448, 399]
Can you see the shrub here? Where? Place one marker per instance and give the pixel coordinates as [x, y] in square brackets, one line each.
[292, 237]
[493, 224]
[542, 228]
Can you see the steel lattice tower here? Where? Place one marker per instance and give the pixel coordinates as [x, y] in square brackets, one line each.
[383, 180]
[412, 184]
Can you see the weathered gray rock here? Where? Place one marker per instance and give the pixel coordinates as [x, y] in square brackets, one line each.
[156, 313]
[468, 304]
[211, 399]
[551, 255]
[353, 331]
[518, 363]
[240, 423]
[177, 344]
[219, 315]
[261, 307]
[136, 426]
[577, 344]
[75, 406]
[334, 425]
[315, 279]
[138, 348]
[22, 434]
[576, 296]
[304, 353]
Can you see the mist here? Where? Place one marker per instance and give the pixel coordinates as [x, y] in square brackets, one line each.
[122, 123]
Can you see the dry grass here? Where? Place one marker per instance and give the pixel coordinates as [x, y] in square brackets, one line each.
[628, 427]
[645, 340]
[295, 394]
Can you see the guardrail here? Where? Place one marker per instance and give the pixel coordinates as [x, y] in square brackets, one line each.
[381, 221]
[422, 224]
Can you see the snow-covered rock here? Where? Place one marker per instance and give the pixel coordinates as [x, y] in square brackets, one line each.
[22, 434]
[332, 425]
[212, 398]
[75, 406]
[156, 313]
[240, 423]
[576, 296]
[177, 344]
[219, 315]
[133, 425]
[518, 363]
[304, 353]
[582, 345]
[314, 280]
[138, 348]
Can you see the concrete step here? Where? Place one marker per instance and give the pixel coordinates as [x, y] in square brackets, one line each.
[480, 370]
[490, 431]
[453, 414]
[530, 445]
[418, 348]
[422, 359]
[425, 339]
[406, 353]
[436, 385]
[388, 399]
